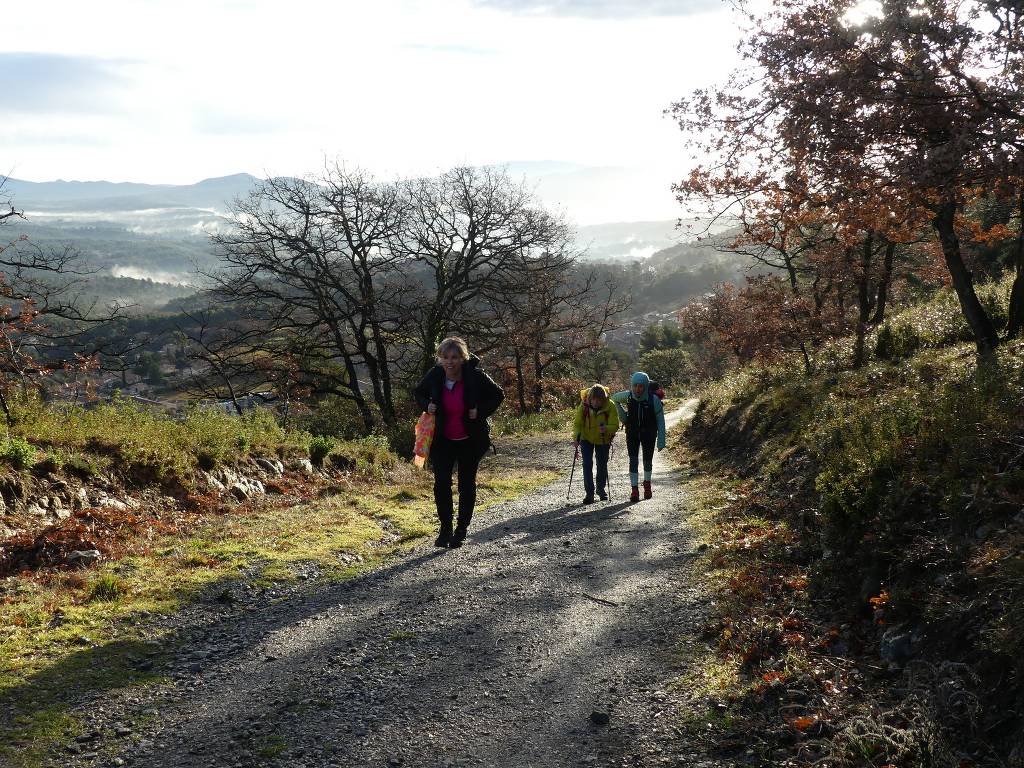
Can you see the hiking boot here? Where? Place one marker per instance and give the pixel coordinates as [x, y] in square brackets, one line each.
[444, 537]
[602, 496]
[635, 495]
[588, 499]
[647, 489]
[458, 537]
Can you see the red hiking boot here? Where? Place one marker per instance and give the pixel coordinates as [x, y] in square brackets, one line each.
[647, 489]
[635, 495]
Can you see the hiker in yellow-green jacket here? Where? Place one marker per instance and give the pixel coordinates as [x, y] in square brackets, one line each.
[594, 426]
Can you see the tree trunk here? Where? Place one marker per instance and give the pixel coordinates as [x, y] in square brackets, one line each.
[884, 284]
[794, 282]
[231, 394]
[863, 300]
[357, 395]
[373, 370]
[429, 342]
[1016, 320]
[538, 382]
[520, 382]
[5, 407]
[808, 368]
[353, 379]
[387, 406]
[985, 336]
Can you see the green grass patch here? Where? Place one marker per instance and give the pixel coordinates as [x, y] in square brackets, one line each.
[30, 736]
[148, 443]
[107, 588]
[271, 747]
[508, 424]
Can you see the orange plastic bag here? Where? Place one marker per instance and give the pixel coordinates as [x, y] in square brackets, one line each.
[424, 437]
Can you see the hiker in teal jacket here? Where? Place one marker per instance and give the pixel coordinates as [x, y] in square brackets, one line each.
[641, 412]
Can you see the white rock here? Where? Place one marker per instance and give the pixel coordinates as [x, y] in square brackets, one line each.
[83, 557]
[246, 488]
[273, 466]
[214, 482]
[305, 466]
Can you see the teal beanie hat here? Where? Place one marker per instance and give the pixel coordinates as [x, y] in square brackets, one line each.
[639, 378]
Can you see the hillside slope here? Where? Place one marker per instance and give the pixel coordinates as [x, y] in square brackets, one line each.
[869, 544]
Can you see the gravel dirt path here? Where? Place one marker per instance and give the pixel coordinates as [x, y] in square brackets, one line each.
[511, 651]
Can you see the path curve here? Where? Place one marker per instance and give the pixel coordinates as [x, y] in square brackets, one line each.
[496, 654]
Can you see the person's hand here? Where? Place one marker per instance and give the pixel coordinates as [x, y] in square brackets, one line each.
[432, 408]
[472, 413]
[603, 429]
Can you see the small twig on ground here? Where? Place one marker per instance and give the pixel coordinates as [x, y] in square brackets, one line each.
[600, 600]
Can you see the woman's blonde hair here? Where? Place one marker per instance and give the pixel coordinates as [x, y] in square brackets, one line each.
[453, 344]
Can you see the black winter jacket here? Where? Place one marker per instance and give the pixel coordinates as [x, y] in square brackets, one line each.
[481, 392]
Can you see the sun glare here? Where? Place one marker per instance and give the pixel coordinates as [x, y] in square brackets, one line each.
[862, 12]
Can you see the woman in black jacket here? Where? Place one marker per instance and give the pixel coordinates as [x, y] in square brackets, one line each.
[461, 397]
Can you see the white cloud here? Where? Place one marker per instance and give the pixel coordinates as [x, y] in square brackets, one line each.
[604, 9]
[397, 86]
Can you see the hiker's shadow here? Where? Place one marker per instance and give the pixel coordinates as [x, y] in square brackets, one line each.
[552, 523]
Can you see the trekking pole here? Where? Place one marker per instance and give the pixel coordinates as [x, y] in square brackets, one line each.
[575, 458]
[611, 453]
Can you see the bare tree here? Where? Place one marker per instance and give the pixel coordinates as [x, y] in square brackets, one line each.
[348, 284]
[49, 322]
[308, 263]
[467, 232]
[222, 353]
[549, 314]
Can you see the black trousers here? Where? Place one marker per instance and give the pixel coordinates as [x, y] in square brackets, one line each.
[634, 443]
[445, 455]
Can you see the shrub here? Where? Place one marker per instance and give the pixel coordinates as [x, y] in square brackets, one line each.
[207, 460]
[81, 467]
[939, 321]
[402, 439]
[334, 417]
[319, 448]
[106, 589]
[672, 368]
[896, 342]
[369, 455]
[509, 424]
[150, 445]
[341, 460]
[19, 453]
[48, 464]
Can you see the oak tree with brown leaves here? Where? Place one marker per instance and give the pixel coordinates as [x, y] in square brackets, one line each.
[883, 117]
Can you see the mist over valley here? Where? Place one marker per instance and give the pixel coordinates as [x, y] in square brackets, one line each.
[150, 243]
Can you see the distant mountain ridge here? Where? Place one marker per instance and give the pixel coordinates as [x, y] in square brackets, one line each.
[589, 195]
[213, 193]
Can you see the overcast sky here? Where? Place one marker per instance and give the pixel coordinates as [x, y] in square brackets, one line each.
[161, 91]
